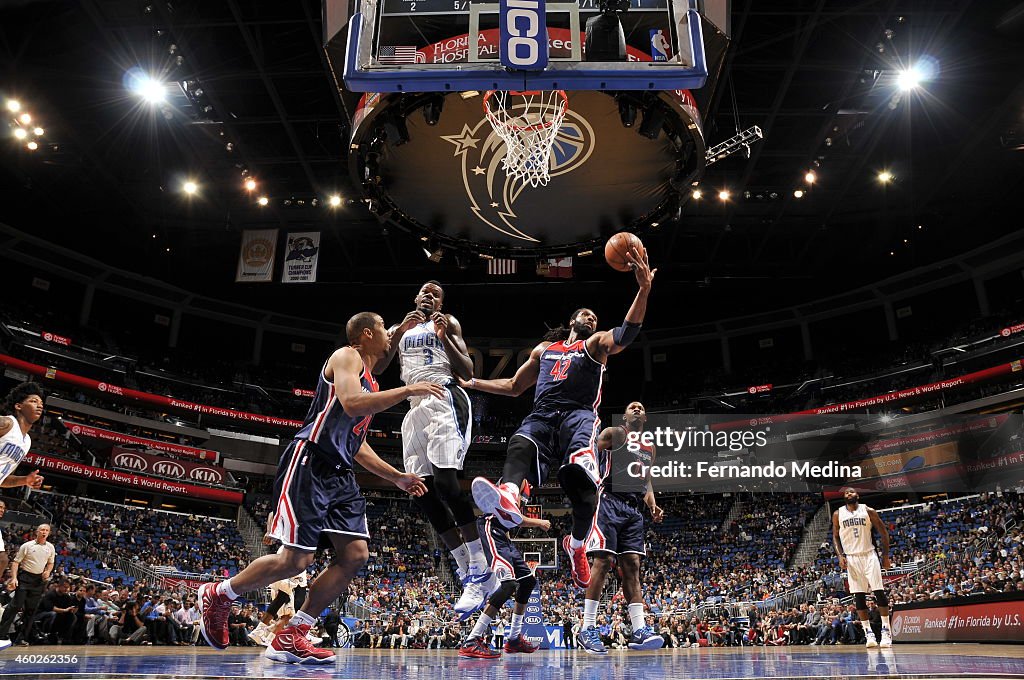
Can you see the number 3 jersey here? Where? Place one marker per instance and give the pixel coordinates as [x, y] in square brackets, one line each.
[423, 356]
[13, 447]
[329, 427]
[569, 379]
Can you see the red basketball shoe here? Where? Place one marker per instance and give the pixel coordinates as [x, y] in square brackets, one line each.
[214, 609]
[476, 648]
[578, 564]
[291, 646]
[500, 501]
[519, 644]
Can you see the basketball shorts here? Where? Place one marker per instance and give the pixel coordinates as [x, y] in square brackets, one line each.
[565, 437]
[315, 495]
[503, 557]
[618, 527]
[864, 572]
[437, 431]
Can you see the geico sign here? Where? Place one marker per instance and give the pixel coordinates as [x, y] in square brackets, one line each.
[524, 34]
[207, 475]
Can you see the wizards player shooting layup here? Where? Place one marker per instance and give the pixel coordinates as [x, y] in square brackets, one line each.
[567, 368]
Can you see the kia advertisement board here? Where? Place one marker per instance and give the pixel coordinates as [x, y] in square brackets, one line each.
[984, 618]
[186, 471]
[131, 480]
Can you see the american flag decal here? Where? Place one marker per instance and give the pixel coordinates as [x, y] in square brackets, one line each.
[499, 266]
[397, 54]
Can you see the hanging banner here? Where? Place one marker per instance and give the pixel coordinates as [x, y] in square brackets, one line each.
[131, 480]
[256, 259]
[302, 256]
[80, 430]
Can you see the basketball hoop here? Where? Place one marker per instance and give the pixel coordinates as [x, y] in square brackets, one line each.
[528, 122]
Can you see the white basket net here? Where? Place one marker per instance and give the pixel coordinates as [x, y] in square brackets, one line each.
[528, 123]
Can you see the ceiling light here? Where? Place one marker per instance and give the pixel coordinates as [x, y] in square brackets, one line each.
[334, 201]
[32, 146]
[263, 200]
[150, 89]
[38, 132]
[13, 105]
[810, 177]
[697, 193]
[724, 195]
[250, 184]
[190, 187]
[25, 118]
[19, 133]
[885, 177]
[909, 79]
[799, 193]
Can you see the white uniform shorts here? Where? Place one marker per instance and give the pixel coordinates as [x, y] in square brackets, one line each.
[437, 431]
[283, 586]
[864, 572]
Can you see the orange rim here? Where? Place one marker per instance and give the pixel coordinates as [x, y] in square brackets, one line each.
[520, 93]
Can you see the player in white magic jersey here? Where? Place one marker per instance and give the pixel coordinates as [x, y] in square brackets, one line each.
[851, 534]
[436, 432]
[25, 405]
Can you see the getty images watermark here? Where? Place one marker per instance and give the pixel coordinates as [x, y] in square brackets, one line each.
[733, 441]
[877, 452]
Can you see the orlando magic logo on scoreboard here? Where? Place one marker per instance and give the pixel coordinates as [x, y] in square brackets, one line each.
[524, 35]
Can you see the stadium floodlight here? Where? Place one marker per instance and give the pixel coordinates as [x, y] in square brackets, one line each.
[263, 200]
[32, 146]
[145, 86]
[885, 177]
[810, 177]
[250, 184]
[334, 201]
[909, 79]
[13, 105]
[19, 133]
[697, 193]
[190, 187]
[38, 132]
[724, 195]
[799, 193]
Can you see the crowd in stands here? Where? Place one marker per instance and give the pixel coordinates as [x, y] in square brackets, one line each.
[104, 532]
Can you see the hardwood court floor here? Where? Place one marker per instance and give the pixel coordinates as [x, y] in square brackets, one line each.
[904, 662]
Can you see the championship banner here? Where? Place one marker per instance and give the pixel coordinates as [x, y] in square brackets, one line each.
[972, 621]
[145, 463]
[145, 397]
[301, 258]
[80, 430]
[256, 258]
[131, 480]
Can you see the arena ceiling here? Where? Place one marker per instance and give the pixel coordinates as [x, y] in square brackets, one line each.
[818, 77]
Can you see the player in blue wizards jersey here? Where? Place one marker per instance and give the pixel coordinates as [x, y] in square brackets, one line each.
[617, 535]
[318, 497]
[567, 368]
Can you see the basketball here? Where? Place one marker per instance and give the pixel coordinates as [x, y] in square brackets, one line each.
[618, 246]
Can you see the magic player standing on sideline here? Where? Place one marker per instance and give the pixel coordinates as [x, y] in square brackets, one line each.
[318, 497]
[567, 368]
[436, 432]
[851, 535]
[617, 536]
[24, 403]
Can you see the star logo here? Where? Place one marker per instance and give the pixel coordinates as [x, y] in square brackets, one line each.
[464, 141]
[478, 170]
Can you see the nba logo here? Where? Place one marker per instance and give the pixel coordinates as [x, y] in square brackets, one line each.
[660, 51]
